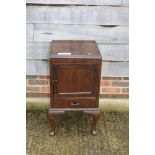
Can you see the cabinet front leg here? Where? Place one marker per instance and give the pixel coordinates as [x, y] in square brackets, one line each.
[51, 117]
[96, 115]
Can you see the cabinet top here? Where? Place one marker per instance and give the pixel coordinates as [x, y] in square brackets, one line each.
[75, 49]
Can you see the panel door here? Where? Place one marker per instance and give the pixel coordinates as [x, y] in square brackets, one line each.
[75, 79]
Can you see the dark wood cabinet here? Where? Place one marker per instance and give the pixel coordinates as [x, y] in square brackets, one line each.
[75, 72]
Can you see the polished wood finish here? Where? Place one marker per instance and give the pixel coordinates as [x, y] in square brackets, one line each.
[75, 103]
[75, 71]
[75, 47]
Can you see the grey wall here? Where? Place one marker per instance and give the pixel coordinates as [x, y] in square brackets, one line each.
[105, 21]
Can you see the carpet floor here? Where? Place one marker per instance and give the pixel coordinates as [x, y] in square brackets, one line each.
[73, 136]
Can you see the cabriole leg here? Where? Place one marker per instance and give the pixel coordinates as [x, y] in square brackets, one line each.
[51, 117]
[96, 115]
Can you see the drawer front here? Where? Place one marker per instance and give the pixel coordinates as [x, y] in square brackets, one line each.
[75, 103]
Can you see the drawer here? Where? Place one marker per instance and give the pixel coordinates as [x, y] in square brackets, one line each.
[75, 103]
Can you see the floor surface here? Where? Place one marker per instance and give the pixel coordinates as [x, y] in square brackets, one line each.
[73, 136]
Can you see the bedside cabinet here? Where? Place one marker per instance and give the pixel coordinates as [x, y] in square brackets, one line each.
[75, 72]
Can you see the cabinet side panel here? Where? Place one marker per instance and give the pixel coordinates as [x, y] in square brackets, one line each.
[51, 85]
[98, 82]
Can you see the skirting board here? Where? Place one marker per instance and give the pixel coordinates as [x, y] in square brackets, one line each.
[107, 105]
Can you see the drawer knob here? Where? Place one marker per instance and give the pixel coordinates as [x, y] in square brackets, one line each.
[75, 104]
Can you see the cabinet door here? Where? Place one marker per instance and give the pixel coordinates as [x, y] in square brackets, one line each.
[75, 80]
